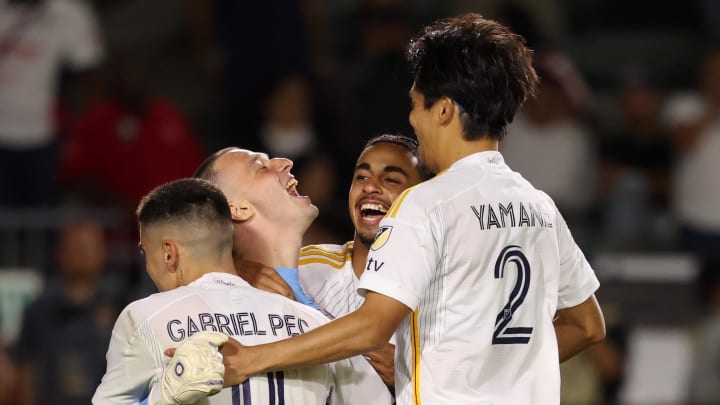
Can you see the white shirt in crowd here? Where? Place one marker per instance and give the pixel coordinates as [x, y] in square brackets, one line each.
[484, 260]
[36, 42]
[226, 303]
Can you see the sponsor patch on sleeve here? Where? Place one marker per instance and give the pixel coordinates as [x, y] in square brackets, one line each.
[382, 237]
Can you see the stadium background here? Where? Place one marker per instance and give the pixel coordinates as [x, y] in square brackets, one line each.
[627, 100]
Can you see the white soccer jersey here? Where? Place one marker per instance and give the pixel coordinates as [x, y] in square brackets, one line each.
[225, 303]
[327, 276]
[484, 260]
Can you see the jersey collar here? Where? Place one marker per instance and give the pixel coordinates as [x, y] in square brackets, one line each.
[486, 158]
[219, 280]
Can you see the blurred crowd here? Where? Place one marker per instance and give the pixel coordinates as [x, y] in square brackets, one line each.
[100, 101]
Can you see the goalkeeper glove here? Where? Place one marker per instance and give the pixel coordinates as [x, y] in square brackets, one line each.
[195, 371]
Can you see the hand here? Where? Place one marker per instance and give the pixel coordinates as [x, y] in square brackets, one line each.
[195, 369]
[236, 360]
[263, 277]
[383, 361]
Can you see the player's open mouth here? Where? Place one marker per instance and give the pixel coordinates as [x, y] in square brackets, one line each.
[372, 212]
[292, 188]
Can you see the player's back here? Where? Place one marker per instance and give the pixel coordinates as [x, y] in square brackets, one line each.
[488, 275]
[250, 316]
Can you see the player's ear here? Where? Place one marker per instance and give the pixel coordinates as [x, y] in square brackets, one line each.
[241, 210]
[445, 110]
[171, 256]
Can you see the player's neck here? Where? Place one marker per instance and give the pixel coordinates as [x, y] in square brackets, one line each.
[277, 248]
[359, 256]
[461, 148]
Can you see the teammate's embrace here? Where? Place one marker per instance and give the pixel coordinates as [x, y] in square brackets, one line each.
[186, 235]
[476, 269]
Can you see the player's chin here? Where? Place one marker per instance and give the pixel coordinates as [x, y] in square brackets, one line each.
[366, 236]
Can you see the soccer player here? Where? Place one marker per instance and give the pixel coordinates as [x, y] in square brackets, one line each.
[330, 273]
[186, 235]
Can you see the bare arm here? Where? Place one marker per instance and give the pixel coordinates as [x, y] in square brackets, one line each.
[579, 327]
[368, 328]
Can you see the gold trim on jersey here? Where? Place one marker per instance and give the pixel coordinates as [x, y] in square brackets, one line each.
[415, 340]
[398, 201]
[318, 254]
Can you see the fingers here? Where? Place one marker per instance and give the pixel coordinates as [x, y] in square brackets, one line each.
[264, 278]
[216, 339]
[272, 282]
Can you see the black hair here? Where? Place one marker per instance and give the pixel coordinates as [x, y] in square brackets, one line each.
[407, 143]
[410, 144]
[480, 64]
[187, 201]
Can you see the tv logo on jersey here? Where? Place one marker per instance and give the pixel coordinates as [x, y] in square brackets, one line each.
[382, 237]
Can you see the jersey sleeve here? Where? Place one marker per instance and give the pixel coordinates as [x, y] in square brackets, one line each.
[132, 365]
[402, 260]
[577, 279]
[356, 383]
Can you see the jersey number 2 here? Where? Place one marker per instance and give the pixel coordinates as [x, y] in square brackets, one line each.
[504, 334]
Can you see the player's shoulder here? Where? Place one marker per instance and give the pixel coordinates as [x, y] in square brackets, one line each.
[147, 307]
[416, 200]
[325, 255]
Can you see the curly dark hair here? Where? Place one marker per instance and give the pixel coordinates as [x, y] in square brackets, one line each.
[480, 64]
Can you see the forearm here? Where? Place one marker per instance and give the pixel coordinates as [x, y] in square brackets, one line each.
[345, 337]
[578, 328]
[366, 329]
[572, 340]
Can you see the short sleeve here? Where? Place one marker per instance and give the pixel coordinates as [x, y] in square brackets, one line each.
[132, 366]
[577, 279]
[402, 260]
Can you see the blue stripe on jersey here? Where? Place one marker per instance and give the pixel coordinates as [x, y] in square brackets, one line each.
[246, 392]
[236, 394]
[271, 388]
[281, 387]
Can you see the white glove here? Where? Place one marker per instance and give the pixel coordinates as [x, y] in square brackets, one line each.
[195, 371]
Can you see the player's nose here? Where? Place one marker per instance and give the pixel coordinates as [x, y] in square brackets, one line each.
[281, 164]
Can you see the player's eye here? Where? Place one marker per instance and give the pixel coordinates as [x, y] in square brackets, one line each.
[361, 177]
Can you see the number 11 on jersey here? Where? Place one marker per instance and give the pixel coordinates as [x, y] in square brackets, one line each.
[505, 334]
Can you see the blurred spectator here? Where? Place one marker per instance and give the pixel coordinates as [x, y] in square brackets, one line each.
[547, 142]
[705, 380]
[375, 82]
[288, 129]
[37, 39]
[695, 125]
[60, 353]
[635, 165]
[269, 42]
[129, 143]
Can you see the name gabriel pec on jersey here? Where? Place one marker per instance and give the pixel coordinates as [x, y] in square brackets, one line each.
[238, 324]
[508, 215]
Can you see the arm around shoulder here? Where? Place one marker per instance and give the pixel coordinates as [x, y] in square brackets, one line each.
[579, 327]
